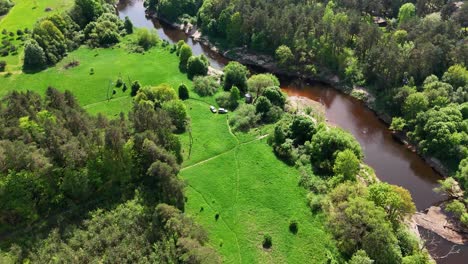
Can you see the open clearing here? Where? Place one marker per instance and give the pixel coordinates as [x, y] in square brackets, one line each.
[253, 192]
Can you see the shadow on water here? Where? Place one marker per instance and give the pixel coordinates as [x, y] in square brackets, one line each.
[392, 162]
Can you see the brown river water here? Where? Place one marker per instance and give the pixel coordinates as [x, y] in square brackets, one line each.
[392, 161]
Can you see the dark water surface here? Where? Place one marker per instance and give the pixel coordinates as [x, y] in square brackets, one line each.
[392, 162]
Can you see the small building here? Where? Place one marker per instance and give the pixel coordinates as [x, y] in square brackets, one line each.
[248, 98]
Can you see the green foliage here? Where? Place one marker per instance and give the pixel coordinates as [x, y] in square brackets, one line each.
[234, 96]
[347, 165]
[105, 31]
[183, 92]
[173, 9]
[325, 146]
[51, 40]
[262, 105]
[245, 118]
[86, 11]
[395, 200]
[235, 74]
[276, 96]
[34, 56]
[284, 56]
[224, 100]
[156, 95]
[398, 124]
[267, 241]
[205, 85]
[234, 29]
[178, 113]
[360, 257]
[259, 82]
[456, 75]
[456, 207]
[406, 13]
[128, 25]
[414, 104]
[197, 66]
[5, 6]
[185, 52]
[147, 38]
[302, 129]
[134, 88]
[293, 226]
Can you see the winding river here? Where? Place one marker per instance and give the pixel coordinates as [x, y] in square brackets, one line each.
[392, 162]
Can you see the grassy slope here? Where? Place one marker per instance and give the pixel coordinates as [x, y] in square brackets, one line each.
[23, 15]
[253, 192]
[155, 67]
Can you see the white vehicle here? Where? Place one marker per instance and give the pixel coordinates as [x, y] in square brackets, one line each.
[213, 109]
[222, 111]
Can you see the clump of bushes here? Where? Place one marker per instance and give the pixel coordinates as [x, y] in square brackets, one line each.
[119, 82]
[2, 66]
[147, 38]
[245, 118]
[205, 85]
[197, 66]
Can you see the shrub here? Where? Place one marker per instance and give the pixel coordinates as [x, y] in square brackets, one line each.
[263, 105]
[134, 88]
[224, 100]
[91, 71]
[235, 74]
[456, 207]
[315, 202]
[2, 66]
[464, 219]
[245, 118]
[293, 226]
[124, 88]
[119, 83]
[128, 25]
[205, 85]
[147, 38]
[19, 32]
[267, 241]
[197, 65]
[184, 52]
[183, 92]
[34, 56]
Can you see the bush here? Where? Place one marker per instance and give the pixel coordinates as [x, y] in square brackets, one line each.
[267, 241]
[184, 52]
[464, 219]
[134, 88]
[183, 92]
[197, 66]
[224, 100]
[235, 74]
[2, 66]
[315, 202]
[205, 85]
[456, 207]
[147, 38]
[119, 83]
[91, 71]
[128, 25]
[34, 56]
[293, 226]
[245, 118]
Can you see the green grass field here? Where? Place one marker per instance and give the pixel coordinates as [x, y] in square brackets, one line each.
[239, 177]
[24, 15]
[154, 67]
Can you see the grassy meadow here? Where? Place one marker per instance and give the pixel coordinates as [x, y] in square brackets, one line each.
[24, 15]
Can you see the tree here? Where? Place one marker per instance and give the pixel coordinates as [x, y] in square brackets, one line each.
[183, 92]
[105, 31]
[128, 25]
[263, 105]
[147, 38]
[395, 200]
[302, 129]
[414, 104]
[347, 165]
[34, 56]
[406, 13]
[178, 113]
[89, 10]
[235, 74]
[184, 54]
[156, 95]
[259, 82]
[173, 9]
[234, 96]
[234, 29]
[276, 96]
[205, 85]
[51, 40]
[284, 56]
[360, 257]
[197, 66]
[456, 75]
[134, 88]
[325, 146]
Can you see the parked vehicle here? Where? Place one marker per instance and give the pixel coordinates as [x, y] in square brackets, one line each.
[213, 109]
[222, 111]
